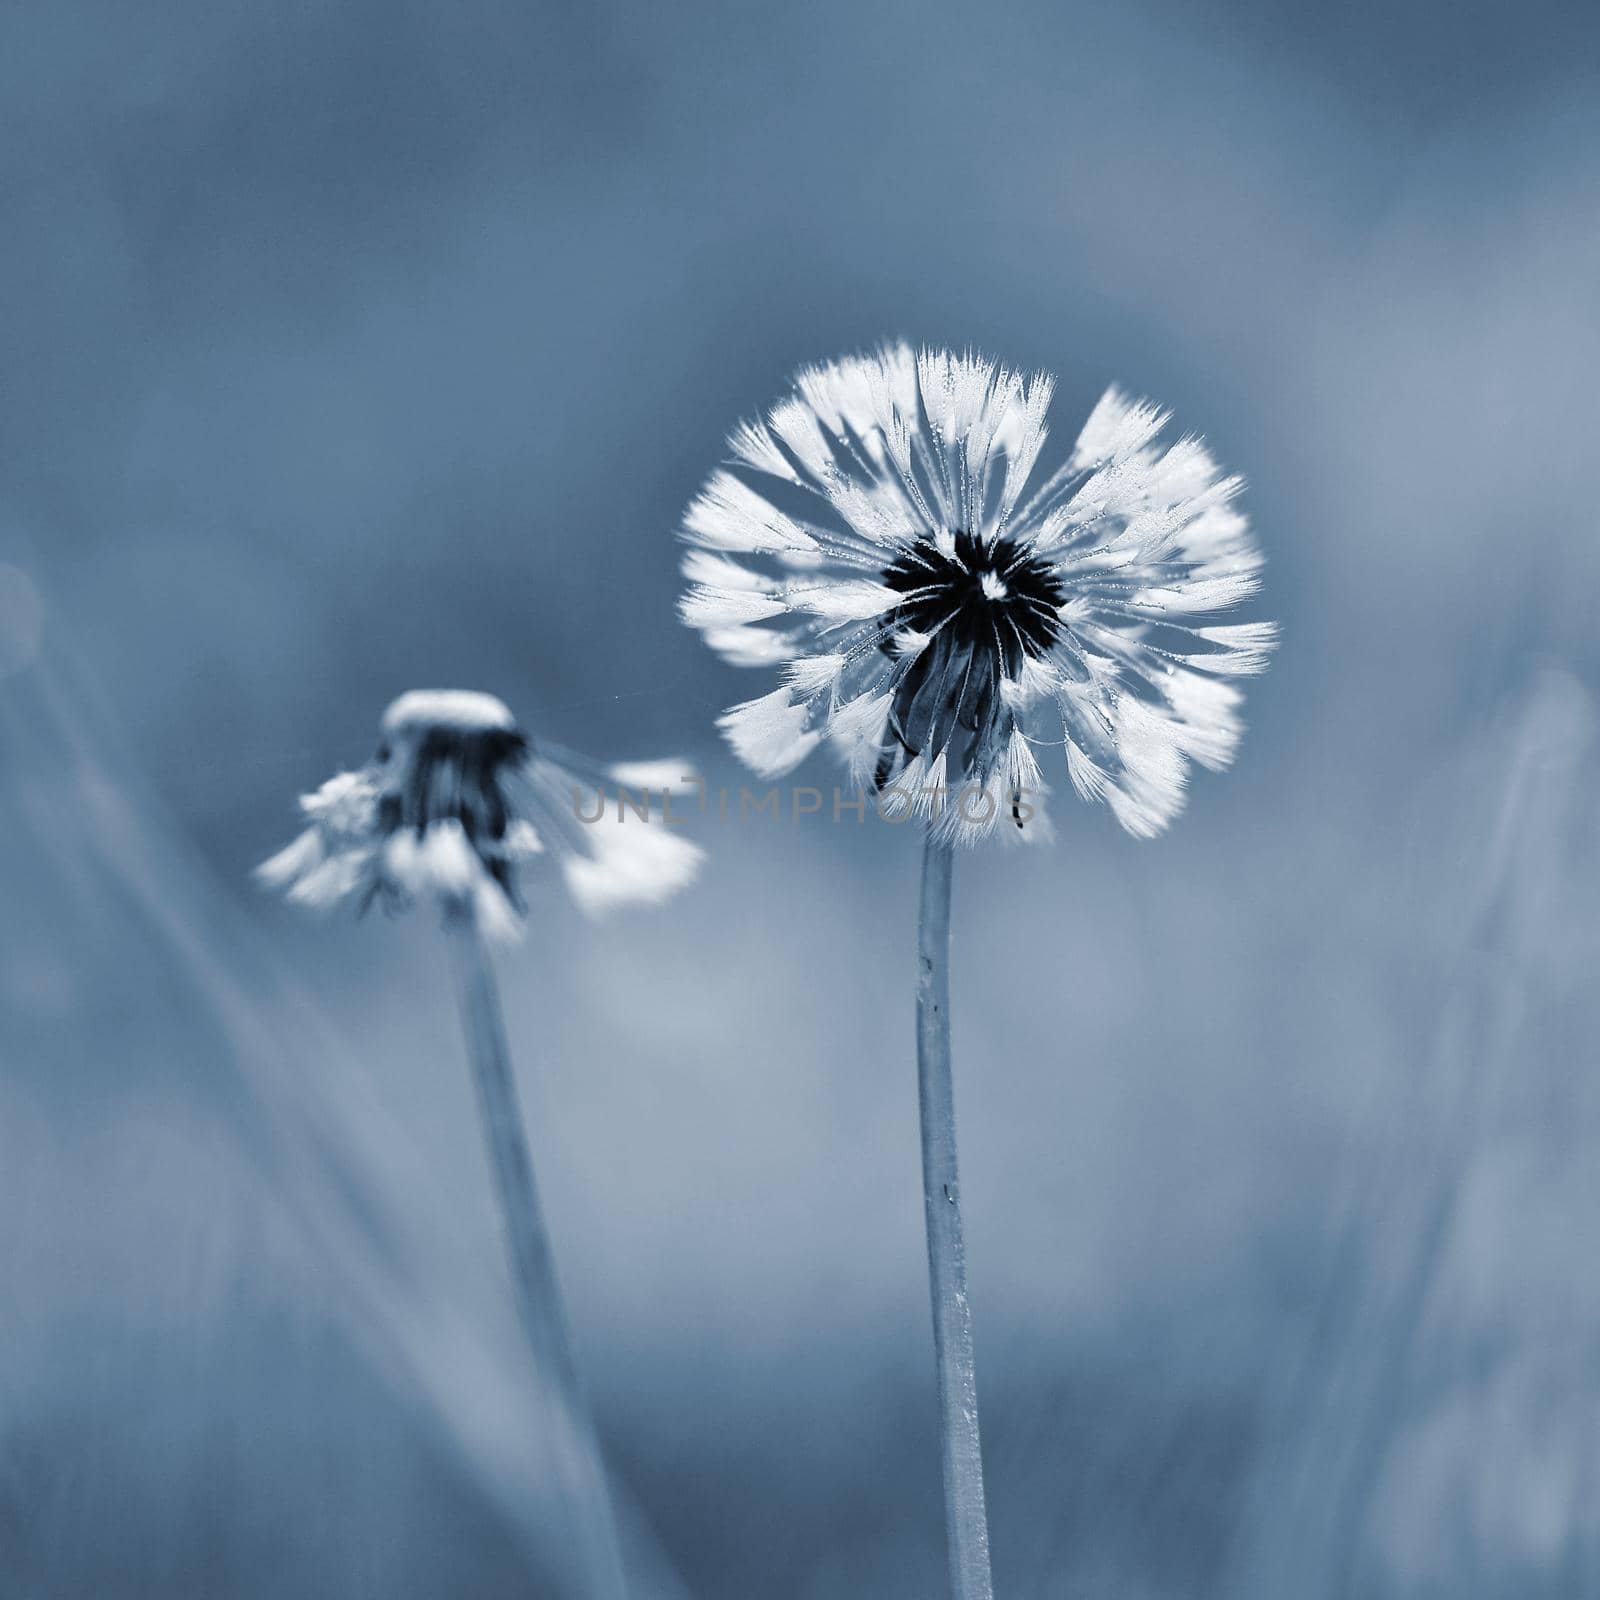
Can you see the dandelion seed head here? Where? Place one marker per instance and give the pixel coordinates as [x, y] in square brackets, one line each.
[945, 613]
[456, 803]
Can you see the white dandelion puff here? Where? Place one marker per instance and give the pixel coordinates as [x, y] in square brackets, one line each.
[751, 647]
[456, 804]
[770, 734]
[813, 673]
[931, 562]
[668, 777]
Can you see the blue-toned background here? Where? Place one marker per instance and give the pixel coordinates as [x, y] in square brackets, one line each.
[349, 347]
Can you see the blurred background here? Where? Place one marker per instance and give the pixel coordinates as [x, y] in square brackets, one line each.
[352, 346]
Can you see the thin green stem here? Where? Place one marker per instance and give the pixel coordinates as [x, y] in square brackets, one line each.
[967, 1522]
[533, 1270]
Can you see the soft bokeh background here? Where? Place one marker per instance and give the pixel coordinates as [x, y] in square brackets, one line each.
[353, 346]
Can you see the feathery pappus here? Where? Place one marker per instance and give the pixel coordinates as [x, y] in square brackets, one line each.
[456, 804]
[941, 613]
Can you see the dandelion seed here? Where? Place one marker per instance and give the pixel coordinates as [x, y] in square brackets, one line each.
[455, 806]
[943, 618]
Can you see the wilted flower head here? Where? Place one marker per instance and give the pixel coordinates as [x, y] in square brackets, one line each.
[454, 805]
[943, 614]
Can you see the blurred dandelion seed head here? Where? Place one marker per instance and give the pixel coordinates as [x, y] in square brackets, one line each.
[455, 804]
[940, 611]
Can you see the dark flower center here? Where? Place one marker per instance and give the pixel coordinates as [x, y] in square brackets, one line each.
[454, 774]
[987, 608]
[993, 596]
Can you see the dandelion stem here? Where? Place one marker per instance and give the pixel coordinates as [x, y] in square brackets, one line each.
[532, 1263]
[967, 1524]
